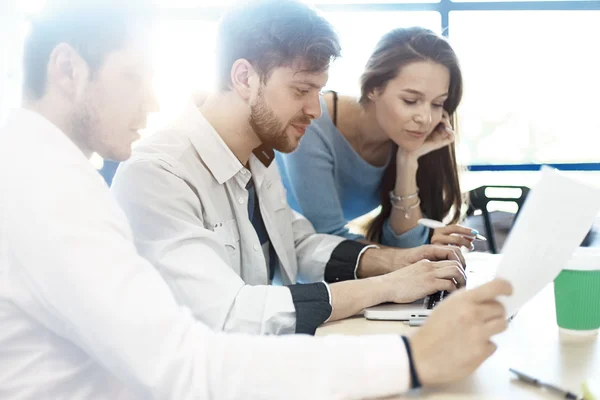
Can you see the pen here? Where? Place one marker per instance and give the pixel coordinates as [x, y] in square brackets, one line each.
[433, 224]
[551, 388]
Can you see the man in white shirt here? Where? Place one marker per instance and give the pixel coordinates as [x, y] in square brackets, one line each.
[83, 316]
[208, 182]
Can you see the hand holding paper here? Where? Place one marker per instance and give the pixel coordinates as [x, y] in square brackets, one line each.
[553, 222]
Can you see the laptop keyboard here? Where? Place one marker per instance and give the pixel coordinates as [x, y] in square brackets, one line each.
[433, 299]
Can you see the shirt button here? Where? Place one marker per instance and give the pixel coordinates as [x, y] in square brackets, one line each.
[256, 247]
[241, 200]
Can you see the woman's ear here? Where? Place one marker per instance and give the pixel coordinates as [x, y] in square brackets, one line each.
[374, 94]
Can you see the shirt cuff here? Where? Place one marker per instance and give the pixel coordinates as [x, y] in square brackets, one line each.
[328, 291]
[415, 382]
[313, 306]
[344, 261]
[367, 247]
[417, 236]
[329, 294]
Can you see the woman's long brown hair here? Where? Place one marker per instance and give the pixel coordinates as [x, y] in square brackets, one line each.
[437, 176]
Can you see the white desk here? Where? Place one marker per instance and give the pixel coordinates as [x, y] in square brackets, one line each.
[532, 344]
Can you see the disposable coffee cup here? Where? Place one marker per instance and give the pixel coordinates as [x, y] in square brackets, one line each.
[577, 294]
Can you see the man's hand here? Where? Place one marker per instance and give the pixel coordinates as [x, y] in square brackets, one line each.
[455, 340]
[376, 262]
[404, 257]
[416, 281]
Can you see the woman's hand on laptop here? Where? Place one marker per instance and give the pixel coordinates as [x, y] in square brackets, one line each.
[418, 280]
[455, 340]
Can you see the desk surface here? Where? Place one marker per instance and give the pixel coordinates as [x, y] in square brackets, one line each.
[532, 344]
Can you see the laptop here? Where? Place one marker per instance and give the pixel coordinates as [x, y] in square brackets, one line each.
[548, 231]
[481, 268]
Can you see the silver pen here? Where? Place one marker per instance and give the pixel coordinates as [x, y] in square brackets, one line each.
[565, 394]
[433, 224]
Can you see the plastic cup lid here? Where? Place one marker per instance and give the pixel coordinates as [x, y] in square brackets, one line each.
[585, 259]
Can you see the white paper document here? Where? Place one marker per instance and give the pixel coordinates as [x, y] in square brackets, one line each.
[553, 222]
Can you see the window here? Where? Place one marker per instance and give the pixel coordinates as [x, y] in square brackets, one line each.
[530, 73]
[531, 86]
[184, 68]
[359, 33]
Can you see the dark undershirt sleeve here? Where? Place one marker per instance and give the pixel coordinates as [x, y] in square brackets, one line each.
[312, 305]
[342, 264]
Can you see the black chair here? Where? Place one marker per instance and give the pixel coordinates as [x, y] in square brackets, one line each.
[479, 200]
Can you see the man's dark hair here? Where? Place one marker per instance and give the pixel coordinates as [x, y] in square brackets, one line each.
[93, 28]
[274, 33]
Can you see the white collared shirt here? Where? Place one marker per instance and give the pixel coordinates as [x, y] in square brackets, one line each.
[82, 316]
[184, 191]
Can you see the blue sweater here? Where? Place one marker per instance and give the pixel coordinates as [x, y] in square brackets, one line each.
[330, 184]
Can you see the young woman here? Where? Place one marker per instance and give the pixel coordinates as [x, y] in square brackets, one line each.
[393, 148]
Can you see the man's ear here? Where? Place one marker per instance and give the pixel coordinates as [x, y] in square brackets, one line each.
[243, 78]
[67, 71]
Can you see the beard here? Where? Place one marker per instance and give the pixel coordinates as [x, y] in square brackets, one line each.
[90, 133]
[84, 126]
[269, 129]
